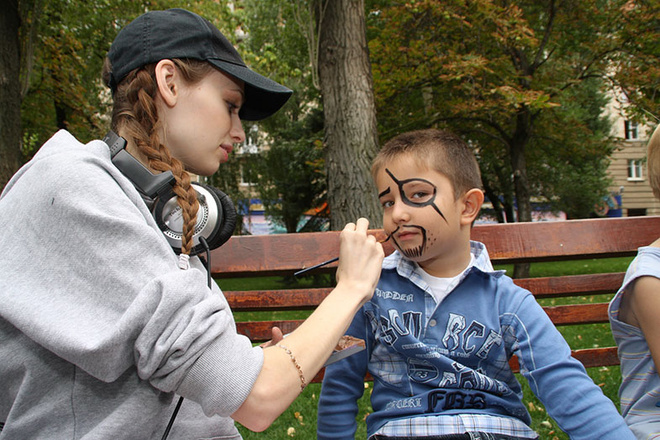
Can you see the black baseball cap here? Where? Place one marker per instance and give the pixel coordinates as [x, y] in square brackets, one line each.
[177, 33]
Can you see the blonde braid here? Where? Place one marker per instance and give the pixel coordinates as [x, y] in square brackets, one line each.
[136, 112]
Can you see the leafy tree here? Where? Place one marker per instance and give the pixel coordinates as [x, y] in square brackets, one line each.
[290, 181]
[289, 177]
[295, 41]
[63, 88]
[505, 75]
[572, 175]
[636, 68]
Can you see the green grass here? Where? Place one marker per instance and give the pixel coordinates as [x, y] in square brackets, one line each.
[299, 421]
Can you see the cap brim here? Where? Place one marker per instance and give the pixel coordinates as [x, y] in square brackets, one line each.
[263, 96]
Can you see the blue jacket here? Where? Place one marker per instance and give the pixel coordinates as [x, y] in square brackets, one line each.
[454, 358]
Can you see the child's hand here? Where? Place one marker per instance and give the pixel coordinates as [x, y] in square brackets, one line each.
[277, 336]
[360, 258]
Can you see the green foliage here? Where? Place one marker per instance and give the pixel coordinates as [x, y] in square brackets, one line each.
[572, 175]
[73, 37]
[638, 64]
[276, 46]
[523, 81]
[291, 181]
[289, 176]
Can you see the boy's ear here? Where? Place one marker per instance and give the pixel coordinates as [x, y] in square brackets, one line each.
[472, 201]
[167, 81]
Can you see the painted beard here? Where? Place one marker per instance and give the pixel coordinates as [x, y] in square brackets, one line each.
[416, 251]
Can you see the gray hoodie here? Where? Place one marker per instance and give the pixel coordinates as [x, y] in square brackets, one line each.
[99, 328]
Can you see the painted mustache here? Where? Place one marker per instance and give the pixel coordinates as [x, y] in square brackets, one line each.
[415, 252]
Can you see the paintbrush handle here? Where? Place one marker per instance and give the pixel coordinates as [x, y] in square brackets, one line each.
[300, 272]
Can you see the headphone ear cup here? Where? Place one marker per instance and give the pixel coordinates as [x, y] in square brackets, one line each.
[216, 219]
[226, 220]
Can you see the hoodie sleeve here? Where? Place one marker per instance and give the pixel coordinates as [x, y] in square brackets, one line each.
[91, 278]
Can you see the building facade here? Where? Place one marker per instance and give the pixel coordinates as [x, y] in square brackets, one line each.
[628, 166]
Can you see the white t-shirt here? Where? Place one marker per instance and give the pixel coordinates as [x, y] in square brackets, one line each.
[441, 287]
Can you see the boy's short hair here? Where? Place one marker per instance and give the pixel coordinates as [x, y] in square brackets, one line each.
[653, 162]
[438, 150]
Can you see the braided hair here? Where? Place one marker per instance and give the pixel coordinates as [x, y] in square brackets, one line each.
[136, 114]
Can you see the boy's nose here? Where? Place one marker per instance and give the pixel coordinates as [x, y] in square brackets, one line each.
[400, 212]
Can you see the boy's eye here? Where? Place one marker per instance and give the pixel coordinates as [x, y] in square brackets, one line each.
[420, 195]
[418, 191]
[387, 204]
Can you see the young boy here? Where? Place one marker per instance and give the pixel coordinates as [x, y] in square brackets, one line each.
[634, 320]
[442, 324]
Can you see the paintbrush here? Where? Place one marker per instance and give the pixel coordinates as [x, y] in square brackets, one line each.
[332, 260]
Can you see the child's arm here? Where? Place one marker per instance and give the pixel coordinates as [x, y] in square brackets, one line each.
[560, 381]
[641, 306]
[343, 385]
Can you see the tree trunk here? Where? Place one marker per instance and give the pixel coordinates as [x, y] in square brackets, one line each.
[10, 96]
[520, 180]
[351, 137]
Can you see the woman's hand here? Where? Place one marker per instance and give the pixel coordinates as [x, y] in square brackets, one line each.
[360, 259]
[277, 336]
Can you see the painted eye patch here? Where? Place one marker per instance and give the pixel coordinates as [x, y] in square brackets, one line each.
[416, 192]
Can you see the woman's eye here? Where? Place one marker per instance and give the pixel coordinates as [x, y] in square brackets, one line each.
[233, 108]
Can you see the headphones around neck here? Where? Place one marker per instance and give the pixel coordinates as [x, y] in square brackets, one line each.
[216, 217]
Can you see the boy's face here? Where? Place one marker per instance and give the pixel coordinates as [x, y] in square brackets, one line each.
[420, 214]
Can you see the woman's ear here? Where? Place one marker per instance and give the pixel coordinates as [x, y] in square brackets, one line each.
[472, 201]
[167, 77]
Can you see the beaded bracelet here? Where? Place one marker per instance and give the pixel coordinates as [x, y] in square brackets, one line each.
[303, 383]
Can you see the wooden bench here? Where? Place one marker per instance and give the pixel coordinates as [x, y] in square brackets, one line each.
[283, 254]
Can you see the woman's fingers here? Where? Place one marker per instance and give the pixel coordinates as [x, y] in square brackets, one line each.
[360, 255]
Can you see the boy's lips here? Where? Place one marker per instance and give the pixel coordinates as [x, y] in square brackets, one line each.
[407, 234]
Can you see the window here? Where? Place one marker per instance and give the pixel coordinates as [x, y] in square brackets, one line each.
[635, 169]
[631, 130]
[246, 176]
[637, 212]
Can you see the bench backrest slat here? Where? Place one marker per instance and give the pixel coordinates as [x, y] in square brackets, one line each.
[283, 254]
[546, 287]
[513, 242]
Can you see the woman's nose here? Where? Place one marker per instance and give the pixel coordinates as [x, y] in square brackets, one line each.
[236, 132]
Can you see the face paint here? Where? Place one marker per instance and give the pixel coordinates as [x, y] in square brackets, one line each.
[417, 193]
[415, 252]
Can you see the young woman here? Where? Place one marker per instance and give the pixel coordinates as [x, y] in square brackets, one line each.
[102, 324]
